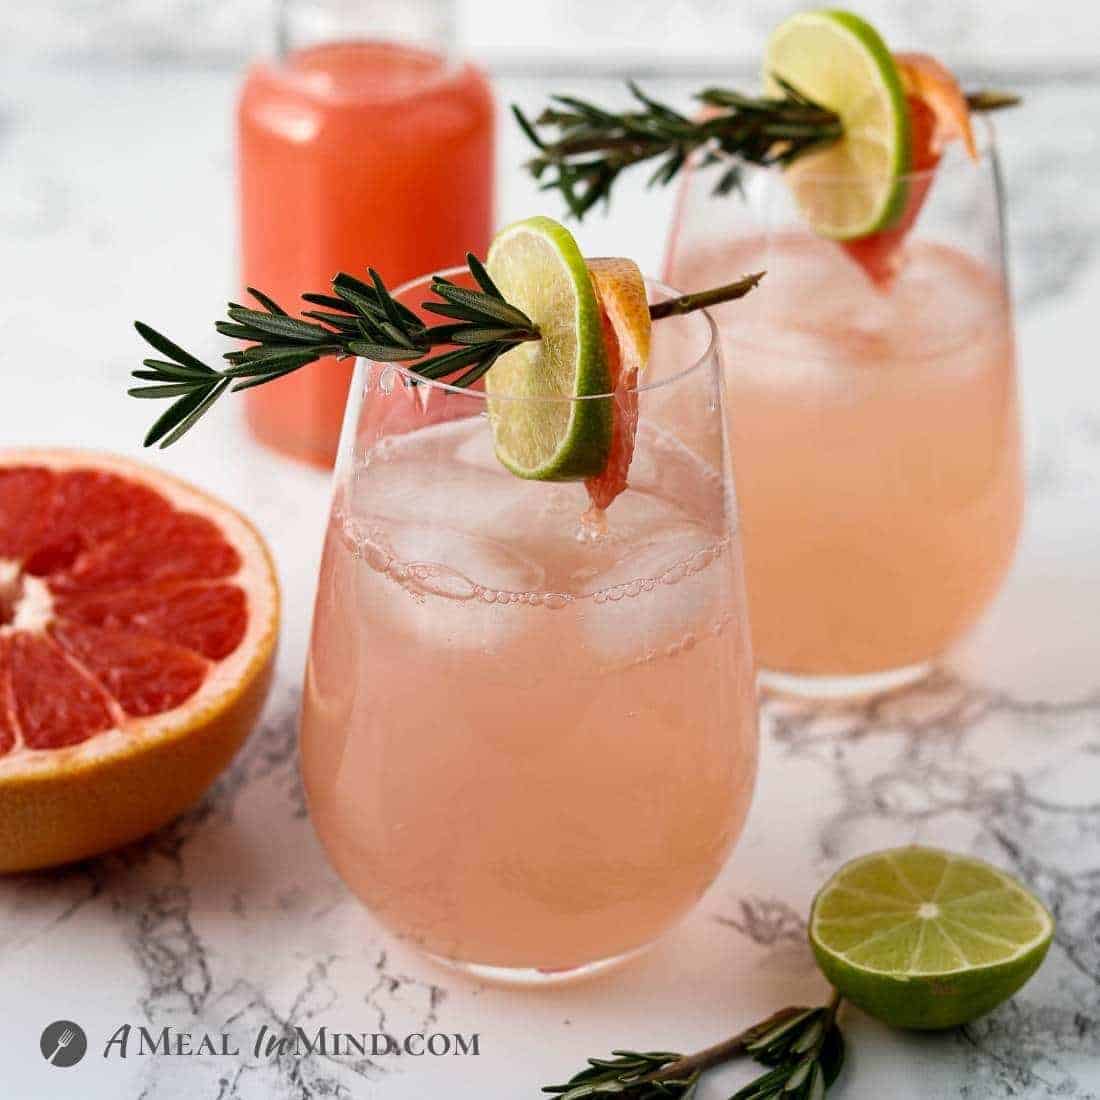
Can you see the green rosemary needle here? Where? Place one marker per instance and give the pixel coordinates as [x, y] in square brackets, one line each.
[357, 318]
[582, 148]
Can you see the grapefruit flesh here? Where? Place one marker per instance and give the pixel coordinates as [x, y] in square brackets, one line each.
[935, 85]
[138, 620]
[625, 328]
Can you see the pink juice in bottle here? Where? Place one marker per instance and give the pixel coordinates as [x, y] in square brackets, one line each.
[354, 153]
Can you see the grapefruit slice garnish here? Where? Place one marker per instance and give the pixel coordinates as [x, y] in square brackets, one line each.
[626, 328]
[933, 83]
[138, 620]
[938, 113]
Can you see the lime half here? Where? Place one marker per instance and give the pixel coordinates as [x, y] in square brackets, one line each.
[921, 938]
[855, 186]
[538, 267]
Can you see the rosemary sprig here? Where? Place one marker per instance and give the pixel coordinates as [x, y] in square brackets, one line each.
[802, 1047]
[586, 147]
[357, 318]
[805, 1053]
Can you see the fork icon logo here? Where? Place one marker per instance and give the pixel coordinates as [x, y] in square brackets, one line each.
[63, 1043]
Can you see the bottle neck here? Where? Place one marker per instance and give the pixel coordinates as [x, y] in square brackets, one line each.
[428, 25]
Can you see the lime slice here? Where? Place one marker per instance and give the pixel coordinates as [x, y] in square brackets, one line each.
[854, 186]
[921, 938]
[538, 267]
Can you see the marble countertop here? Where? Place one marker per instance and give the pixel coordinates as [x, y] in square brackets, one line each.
[115, 203]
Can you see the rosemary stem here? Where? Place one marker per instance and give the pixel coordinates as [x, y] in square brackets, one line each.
[730, 1048]
[989, 100]
[703, 1060]
[688, 303]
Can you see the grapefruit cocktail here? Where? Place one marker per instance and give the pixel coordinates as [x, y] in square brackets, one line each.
[523, 749]
[528, 734]
[878, 452]
[872, 380]
[529, 718]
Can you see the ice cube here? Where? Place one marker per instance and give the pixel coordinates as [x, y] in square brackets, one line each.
[657, 594]
[477, 450]
[484, 563]
[445, 592]
[432, 486]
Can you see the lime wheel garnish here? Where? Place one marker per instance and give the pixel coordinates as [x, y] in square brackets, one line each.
[856, 185]
[549, 422]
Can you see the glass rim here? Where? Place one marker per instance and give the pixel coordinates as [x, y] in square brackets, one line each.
[709, 352]
[984, 140]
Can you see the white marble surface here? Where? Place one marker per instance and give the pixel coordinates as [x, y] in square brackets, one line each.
[115, 203]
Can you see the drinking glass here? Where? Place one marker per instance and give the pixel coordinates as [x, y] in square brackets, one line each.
[875, 422]
[529, 742]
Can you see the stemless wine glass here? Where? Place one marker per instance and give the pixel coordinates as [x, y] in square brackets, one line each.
[528, 743]
[874, 418]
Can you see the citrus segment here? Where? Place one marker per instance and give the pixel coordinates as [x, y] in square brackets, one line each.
[933, 83]
[540, 430]
[172, 546]
[925, 939]
[856, 185]
[137, 627]
[54, 703]
[626, 327]
[208, 618]
[22, 517]
[7, 720]
[622, 296]
[143, 675]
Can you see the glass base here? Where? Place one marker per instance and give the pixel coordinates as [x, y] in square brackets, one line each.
[842, 687]
[535, 977]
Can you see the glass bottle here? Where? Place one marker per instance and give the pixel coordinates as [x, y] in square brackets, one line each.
[364, 143]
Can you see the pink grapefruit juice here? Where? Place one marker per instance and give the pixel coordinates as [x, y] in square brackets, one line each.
[876, 446]
[349, 154]
[525, 749]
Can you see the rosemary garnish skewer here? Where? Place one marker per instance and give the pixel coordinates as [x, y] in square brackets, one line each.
[802, 1047]
[357, 318]
[588, 147]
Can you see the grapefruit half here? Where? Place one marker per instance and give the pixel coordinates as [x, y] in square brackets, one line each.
[138, 622]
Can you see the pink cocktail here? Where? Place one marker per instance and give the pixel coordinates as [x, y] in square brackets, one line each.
[529, 746]
[875, 427]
